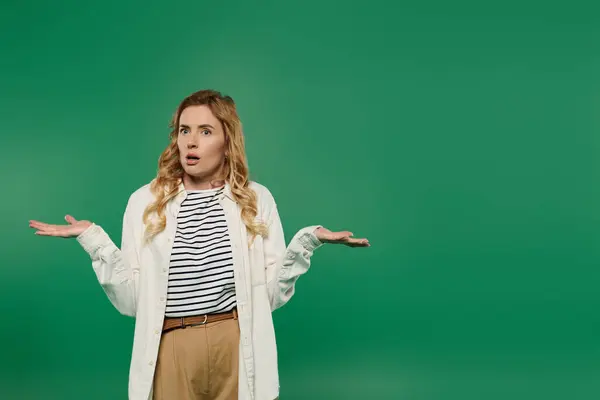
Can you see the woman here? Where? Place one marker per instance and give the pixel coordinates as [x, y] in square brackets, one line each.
[202, 264]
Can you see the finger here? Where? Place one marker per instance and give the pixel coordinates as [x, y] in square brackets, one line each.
[355, 241]
[37, 224]
[47, 228]
[359, 244]
[59, 230]
[345, 233]
[340, 235]
[48, 233]
[70, 219]
[52, 229]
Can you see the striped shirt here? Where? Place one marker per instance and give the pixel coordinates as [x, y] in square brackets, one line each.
[201, 266]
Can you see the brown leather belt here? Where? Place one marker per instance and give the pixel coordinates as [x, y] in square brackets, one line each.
[181, 322]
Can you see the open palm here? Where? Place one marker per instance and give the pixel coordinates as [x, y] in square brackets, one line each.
[73, 229]
[342, 237]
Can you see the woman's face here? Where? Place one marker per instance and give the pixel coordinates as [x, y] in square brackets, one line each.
[201, 142]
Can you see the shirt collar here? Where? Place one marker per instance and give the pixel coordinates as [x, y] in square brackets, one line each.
[181, 193]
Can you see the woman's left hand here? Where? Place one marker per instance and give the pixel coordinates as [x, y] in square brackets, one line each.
[343, 237]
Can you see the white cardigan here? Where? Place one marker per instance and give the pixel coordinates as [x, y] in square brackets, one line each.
[135, 280]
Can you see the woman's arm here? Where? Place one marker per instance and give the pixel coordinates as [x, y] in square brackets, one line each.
[117, 269]
[284, 265]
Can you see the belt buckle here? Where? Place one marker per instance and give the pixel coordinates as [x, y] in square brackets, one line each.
[200, 323]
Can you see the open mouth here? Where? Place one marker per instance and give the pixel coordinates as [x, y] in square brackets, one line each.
[191, 160]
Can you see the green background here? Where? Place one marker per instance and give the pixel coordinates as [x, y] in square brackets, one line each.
[459, 137]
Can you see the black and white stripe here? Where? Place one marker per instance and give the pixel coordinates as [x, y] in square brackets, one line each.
[201, 269]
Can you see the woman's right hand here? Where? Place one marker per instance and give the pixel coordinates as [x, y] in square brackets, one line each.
[73, 229]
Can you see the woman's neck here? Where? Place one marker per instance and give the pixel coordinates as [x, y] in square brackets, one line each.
[191, 183]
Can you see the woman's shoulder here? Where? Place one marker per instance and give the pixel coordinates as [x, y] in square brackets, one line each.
[262, 192]
[266, 201]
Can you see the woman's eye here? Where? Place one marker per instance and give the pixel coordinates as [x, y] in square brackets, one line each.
[206, 132]
[184, 131]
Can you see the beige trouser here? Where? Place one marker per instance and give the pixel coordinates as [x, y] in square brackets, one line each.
[198, 363]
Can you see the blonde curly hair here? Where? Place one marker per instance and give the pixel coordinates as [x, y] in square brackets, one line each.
[235, 171]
